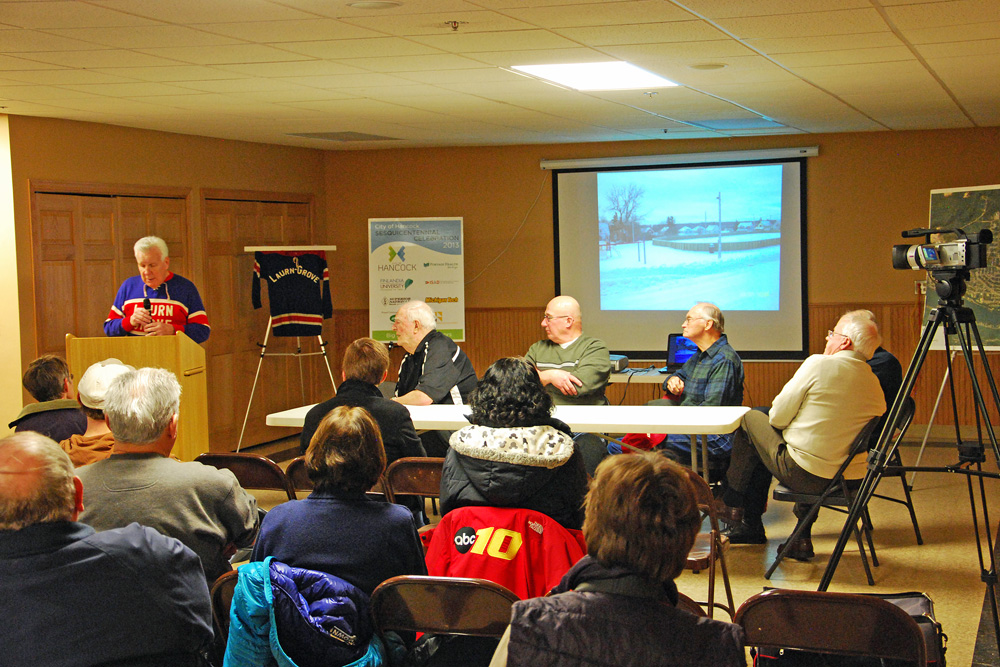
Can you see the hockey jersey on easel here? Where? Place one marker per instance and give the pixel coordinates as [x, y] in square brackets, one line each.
[298, 289]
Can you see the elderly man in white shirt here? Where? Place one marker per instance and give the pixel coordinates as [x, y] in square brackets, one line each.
[808, 432]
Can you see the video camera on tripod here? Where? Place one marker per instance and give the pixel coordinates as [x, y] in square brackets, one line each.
[949, 262]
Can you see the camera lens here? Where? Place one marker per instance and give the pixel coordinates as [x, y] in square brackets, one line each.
[904, 257]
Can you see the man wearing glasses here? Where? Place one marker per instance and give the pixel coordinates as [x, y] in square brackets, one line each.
[807, 434]
[712, 376]
[574, 368]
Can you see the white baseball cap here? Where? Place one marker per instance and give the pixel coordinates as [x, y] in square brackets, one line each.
[94, 383]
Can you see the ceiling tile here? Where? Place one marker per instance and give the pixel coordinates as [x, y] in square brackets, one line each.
[403, 64]
[601, 14]
[720, 9]
[64, 76]
[378, 47]
[205, 11]
[682, 32]
[806, 25]
[19, 40]
[100, 58]
[66, 14]
[459, 42]
[439, 23]
[223, 55]
[960, 33]
[939, 14]
[852, 57]
[866, 40]
[274, 32]
[168, 73]
[144, 36]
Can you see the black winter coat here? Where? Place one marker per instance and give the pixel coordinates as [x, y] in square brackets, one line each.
[532, 467]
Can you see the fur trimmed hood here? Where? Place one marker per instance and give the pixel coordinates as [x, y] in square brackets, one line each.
[541, 446]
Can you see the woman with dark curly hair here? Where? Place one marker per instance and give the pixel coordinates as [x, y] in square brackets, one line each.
[514, 453]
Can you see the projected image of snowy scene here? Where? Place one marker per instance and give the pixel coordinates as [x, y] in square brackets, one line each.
[669, 238]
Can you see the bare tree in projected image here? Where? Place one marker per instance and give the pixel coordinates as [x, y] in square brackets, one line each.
[623, 204]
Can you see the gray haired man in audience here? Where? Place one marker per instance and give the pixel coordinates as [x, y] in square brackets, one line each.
[807, 434]
[203, 507]
[70, 595]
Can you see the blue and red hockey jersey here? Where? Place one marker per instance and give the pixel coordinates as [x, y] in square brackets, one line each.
[298, 289]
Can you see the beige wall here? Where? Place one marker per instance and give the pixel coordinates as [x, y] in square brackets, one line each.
[10, 350]
[863, 190]
[60, 150]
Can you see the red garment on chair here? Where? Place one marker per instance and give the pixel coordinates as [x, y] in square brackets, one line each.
[520, 549]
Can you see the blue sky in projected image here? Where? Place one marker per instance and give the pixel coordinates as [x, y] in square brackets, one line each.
[690, 194]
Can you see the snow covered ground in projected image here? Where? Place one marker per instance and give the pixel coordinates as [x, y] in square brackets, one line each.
[677, 279]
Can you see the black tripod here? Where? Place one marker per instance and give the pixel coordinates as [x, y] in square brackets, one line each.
[959, 321]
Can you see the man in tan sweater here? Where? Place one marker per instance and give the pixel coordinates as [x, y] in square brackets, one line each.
[808, 432]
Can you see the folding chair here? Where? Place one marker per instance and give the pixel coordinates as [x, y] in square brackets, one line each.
[414, 476]
[833, 623]
[709, 547]
[296, 473]
[252, 471]
[837, 496]
[906, 417]
[299, 477]
[222, 599]
[442, 605]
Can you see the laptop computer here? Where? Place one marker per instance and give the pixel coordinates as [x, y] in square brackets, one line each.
[679, 350]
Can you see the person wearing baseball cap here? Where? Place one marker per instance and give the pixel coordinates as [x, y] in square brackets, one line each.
[95, 444]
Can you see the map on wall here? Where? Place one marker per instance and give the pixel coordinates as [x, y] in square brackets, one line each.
[971, 210]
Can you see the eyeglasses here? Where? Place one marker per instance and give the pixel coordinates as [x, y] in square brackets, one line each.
[830, 334]
[549, 318]
[692, 319]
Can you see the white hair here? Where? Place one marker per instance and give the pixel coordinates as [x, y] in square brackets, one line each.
[712, 313]
[50, 496]
[421, 313]
[147, 243]
[140, 404]
[860, 327]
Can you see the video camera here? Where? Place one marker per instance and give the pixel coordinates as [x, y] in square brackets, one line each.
[968, 252]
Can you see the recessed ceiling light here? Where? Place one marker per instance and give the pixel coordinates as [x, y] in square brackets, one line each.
[708, 66]
[597, 76]
[375, 4]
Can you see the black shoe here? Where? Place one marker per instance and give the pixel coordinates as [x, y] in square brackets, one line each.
[744, 533]
[729, 516]
[801, 549]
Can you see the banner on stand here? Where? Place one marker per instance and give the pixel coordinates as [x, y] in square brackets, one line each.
[416, 259]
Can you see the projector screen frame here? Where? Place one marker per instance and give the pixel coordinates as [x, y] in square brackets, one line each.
[702, 161]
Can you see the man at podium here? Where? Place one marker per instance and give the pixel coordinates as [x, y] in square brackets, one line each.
[157, 302]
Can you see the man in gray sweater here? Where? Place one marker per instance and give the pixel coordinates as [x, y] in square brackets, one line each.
[203, 507]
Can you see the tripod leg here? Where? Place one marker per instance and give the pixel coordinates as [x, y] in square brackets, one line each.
[930, 423]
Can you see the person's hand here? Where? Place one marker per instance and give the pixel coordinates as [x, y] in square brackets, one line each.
[140, 318]
[564, 381]
[675, 385]
[159, 329]
[229, 550]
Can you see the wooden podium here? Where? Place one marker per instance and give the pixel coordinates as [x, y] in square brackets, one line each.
[178, 354]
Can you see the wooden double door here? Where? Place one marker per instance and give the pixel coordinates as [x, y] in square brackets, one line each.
[82, 251]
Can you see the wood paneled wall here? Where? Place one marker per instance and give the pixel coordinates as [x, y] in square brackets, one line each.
[495, 333]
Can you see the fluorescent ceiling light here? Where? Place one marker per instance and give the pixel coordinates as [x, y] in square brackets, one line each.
[597, 76]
